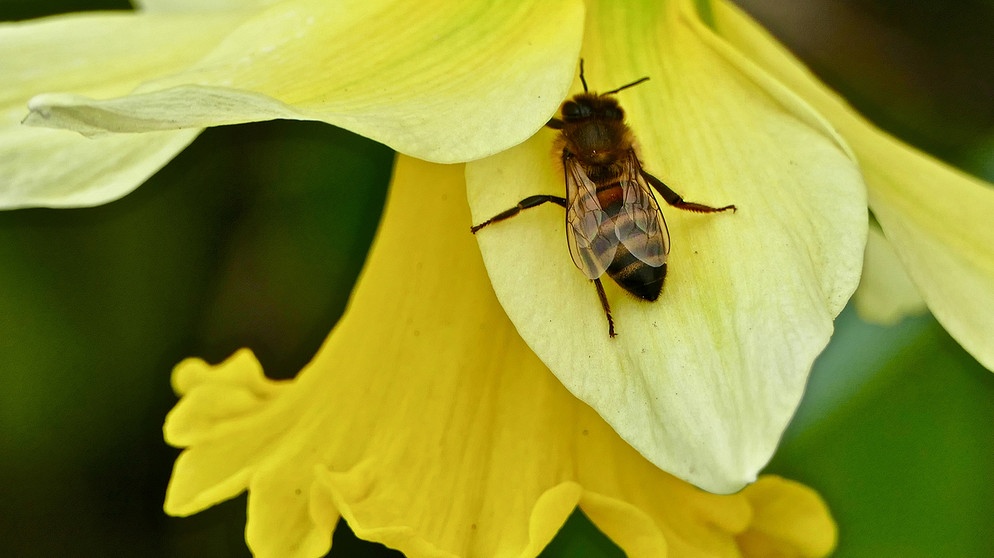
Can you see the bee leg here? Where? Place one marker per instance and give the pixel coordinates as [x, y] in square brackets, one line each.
[675, 200]
[555, 124]
[530, 201]
[606, 306]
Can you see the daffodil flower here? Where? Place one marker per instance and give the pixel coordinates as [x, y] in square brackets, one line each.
[425, 420]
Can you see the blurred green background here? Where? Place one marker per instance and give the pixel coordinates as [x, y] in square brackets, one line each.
[254, 235]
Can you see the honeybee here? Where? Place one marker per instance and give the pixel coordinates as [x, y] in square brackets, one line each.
[613, 222]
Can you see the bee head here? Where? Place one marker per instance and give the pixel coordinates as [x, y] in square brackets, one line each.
[586, 106]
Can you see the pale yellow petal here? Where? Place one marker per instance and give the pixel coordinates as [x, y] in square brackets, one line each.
[94, 54]
[704, 380]
[945, 241]
[886, 294]
[101, 54]
[937, 218]
[189, 6]
[56, 168]
[425, 421]
[441, 80]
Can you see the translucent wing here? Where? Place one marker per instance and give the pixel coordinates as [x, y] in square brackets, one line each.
[590, 232]
[640, 224]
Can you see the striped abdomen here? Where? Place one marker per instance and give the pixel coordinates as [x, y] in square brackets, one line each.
[633, 274]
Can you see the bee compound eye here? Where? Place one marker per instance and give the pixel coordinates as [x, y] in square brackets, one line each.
[614, 113]
[571, 110]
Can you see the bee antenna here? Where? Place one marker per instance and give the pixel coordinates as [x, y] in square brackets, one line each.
[613, 91]
[583, 81]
